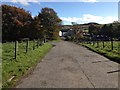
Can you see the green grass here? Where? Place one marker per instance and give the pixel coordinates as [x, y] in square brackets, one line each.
[107, 50]
[18, 67]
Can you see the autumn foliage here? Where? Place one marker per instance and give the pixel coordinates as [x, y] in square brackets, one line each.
[18, 23]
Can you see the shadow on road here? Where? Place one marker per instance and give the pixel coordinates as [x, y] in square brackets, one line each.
[101, 61]
[114, 71]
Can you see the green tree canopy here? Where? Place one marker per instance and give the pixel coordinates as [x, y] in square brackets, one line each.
[94, 29]
[50, 23]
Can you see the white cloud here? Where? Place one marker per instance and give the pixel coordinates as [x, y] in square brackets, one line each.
[108, 19]
[92, 18]
[25, 2]
[86, 18]
[71, 19]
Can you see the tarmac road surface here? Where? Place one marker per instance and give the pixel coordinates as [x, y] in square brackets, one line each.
[69, 65]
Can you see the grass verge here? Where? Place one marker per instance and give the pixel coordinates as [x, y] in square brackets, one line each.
[13, 70]
[109, 54]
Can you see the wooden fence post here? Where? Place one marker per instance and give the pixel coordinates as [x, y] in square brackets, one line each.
[41, 42]
[44, 40]
[119, 47]
[27, 45]
[33, 44]
[103, 44]
[112, 44]
[93, 43]
[37, 43]
[16, 48]
[97, 43]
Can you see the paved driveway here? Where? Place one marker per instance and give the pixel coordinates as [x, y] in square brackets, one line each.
[68, 65]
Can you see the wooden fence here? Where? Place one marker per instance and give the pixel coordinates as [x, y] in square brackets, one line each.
[105, 45]
[26, 45]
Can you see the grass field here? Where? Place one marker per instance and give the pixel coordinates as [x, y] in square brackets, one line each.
[107, 50]
[18, 67]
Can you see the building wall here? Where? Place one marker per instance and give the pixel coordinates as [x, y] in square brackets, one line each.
[60, 33]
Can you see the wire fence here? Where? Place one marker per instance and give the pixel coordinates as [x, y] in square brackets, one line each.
[14, 49]
[108, 46]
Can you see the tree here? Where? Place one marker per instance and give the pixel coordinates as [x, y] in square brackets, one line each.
[111, 30]
[94, 29]
[78, 33]
[104, 30]
[116, 29]
[118, 32]
[50, 23]
[111, 33]
[18, 23]
[15, 22]
[35, 28]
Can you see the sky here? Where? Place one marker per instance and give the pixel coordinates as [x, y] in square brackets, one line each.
[79, 11]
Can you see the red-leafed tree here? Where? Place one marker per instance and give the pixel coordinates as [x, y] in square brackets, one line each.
[18, 23]
[15, 22]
